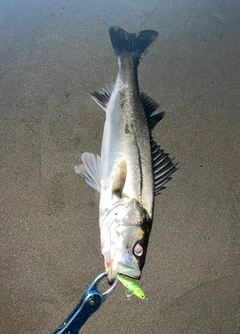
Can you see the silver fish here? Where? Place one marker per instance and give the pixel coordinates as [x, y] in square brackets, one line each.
[132, 168]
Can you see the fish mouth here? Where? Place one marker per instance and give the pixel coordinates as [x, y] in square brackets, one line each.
[124, 269]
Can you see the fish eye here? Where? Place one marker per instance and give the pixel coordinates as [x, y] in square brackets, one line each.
[138, 250]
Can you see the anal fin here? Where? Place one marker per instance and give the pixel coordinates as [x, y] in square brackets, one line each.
[102, 98]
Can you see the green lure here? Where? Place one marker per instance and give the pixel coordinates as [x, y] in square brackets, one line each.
[132, 287]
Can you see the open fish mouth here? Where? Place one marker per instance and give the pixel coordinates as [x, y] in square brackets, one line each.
[133, 272]
[126, 270]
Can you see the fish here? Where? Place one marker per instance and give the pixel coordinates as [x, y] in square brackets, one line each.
[132, 168]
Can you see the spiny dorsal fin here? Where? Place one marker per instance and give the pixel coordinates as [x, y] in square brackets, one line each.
[102, 98]
[91, 170]
[150, 106]
[163, 167]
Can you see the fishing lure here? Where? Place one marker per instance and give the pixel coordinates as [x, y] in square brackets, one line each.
[132, 287]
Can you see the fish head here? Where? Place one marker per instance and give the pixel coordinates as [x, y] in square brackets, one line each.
[125, 239]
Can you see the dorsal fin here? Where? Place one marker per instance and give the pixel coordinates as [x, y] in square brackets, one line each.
[163, 167]
[154, 119]
[148, 103]
[150, 106]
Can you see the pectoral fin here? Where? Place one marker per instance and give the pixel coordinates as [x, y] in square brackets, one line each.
[120, 179]
[90, 170]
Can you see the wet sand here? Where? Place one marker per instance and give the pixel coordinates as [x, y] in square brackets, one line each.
[51, 55]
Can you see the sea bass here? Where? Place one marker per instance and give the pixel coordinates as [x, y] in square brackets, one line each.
[132, 168]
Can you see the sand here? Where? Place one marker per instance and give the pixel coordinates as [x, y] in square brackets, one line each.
[52, 53]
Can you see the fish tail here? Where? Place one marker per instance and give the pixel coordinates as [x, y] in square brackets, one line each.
[134, 45]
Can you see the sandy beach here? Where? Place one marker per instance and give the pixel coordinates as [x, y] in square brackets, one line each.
[52, 54]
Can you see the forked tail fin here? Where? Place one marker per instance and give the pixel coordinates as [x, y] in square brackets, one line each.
[135, 45]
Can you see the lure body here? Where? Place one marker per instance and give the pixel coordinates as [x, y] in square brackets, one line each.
[132, 287]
